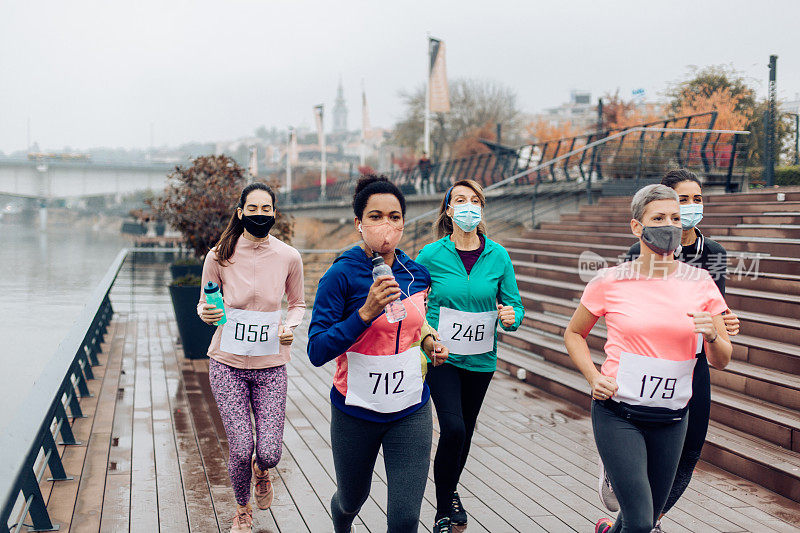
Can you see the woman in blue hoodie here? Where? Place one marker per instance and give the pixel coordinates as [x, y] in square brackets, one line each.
[379, 397]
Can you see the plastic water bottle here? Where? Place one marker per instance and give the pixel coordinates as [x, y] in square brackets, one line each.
[214, 297]
[395, 311]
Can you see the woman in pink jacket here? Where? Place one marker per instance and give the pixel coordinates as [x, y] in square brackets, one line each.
[248, 371]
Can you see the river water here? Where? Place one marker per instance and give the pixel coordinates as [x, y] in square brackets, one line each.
[46, 281]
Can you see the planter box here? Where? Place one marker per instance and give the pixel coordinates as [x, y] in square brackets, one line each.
[133, 228]
[178, 271]
[195, 334]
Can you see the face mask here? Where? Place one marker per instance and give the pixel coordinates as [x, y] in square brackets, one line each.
[258, 225]
[663, 240]
[382, 238]
[691, 215]
[467, 216]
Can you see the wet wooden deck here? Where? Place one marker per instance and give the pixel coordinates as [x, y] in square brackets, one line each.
[154, 453]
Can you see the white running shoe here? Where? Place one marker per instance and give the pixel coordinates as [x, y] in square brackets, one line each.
[657, 529]
[607, 495]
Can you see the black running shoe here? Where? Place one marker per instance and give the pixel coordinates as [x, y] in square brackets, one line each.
[442, 525]
[457, 513]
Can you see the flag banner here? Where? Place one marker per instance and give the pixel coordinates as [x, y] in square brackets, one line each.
[439, 92]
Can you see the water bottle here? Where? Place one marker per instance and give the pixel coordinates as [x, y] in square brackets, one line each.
[395, 311]
[214, 297]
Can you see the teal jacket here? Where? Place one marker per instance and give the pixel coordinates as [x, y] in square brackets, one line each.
[491, 281]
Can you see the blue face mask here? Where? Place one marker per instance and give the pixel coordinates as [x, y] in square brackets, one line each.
[467, 216]
[691, 215]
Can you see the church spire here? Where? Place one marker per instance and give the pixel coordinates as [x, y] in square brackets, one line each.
[340, 110]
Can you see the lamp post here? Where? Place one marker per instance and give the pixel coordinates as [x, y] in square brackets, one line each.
[769, 126]
[323, 179]
[289, 166]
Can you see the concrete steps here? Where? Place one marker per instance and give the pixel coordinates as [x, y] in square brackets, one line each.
[755, 410]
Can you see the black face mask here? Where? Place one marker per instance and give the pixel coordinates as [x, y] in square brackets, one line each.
[663, 240]
[258, 225]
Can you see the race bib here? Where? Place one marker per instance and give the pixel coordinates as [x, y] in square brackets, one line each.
[467, 333]
[250, 333]
[654, 382]
[384, 383]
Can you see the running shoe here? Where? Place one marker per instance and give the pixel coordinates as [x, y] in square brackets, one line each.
[607, 495]
[263, 489]
[458, 516]
[442, 525]
[657, 529]
[243, 521]
[603, 525]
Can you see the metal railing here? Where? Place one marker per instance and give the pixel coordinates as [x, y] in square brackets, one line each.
[572, 159]
[688, 141]
[28, 445]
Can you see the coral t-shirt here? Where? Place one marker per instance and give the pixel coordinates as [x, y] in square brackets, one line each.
[647, 316]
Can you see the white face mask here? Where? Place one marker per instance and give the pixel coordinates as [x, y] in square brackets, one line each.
[467, 216]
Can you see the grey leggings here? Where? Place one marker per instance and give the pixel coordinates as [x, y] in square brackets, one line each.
[640, 461]
[406, 454]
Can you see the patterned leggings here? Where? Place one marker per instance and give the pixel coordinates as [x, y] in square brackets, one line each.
[236, 390]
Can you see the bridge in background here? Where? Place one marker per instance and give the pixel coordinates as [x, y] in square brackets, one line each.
[52, 179]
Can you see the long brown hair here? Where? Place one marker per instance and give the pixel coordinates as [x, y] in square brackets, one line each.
[444, 224]
[227, 242]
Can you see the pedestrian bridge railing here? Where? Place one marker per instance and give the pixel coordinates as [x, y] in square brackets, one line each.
[639, 152]
[560, 174]
[28, 444]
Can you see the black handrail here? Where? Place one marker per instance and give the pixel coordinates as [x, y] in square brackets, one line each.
[29, 433]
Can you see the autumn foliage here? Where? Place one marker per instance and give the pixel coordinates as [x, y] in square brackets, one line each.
[619, 114]
[470, 144]
[730, 115]
[200, 199]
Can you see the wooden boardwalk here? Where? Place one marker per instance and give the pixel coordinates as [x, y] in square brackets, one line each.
[154, 454]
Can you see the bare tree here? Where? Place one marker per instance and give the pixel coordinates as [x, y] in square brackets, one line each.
[474, 103]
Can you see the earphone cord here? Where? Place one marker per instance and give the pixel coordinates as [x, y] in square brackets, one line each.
[408, 289]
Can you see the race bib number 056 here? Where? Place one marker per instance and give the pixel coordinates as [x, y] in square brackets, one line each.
[251, 333]
[467, 333]
[654, 382]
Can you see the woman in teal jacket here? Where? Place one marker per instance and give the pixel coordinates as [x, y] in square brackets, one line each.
[473, 287]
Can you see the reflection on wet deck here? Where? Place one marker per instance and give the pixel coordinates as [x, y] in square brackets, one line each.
[154, 453]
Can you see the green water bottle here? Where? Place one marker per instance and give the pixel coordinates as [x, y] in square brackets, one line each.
[214, 297]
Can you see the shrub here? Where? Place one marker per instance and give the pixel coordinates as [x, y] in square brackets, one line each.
[787, 175]
[199, 201]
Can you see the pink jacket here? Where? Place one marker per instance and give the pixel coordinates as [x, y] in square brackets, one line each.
[256, 279]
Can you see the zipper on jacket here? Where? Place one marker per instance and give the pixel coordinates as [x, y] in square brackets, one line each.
[397, 339]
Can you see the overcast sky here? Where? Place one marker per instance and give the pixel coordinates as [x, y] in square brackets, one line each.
[98, 73]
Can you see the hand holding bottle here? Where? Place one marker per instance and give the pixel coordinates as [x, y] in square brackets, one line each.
[211, 314]
[383, 291]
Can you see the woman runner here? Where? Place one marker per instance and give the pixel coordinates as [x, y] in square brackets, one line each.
[379, 398]
[699, 251]
[654, 307]
[248, 354]
[472, 287]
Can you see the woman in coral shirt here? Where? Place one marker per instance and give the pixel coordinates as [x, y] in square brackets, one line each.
[654, 307]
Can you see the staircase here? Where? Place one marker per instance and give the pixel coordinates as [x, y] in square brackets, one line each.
[755, 401]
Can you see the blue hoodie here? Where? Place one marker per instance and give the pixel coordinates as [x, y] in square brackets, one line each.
[337, 328]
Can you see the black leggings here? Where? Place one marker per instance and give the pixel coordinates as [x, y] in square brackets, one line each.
[699, 408]
[406, 447]
[457, 395]
[640, 461]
